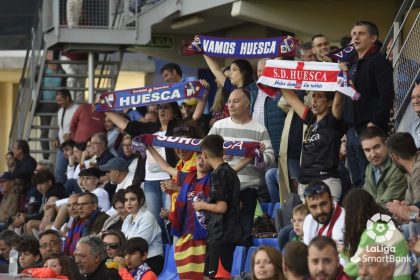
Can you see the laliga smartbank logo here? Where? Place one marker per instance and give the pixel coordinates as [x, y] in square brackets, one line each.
[380, 228]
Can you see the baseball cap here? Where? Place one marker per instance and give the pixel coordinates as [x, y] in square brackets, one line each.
[92, 171]
[7, 176]
[117, 163]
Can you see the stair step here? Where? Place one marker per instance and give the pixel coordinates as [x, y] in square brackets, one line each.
[74, 89]
[76, 75]
[111, 62]
[42, 152]
[45, 126]
[36, 139]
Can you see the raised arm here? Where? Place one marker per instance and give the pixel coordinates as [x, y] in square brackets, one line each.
[201, 105]
[162, 163]
[117, 119]
[337, 108]
[215, 69]
[294, 101]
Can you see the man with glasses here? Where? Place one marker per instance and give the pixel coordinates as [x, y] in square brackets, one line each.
[326, 217]
[320, 47]
[90, 221]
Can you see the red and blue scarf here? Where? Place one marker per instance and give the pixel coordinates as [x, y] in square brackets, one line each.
[201, 192]
[145, 96]
[283, 46]
[78, 229]
[140, 271]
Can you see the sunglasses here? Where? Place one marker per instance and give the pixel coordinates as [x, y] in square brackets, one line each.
[113, 246]
[315, 190]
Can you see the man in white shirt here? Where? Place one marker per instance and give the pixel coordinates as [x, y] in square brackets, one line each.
[326, 218]
[64, 116]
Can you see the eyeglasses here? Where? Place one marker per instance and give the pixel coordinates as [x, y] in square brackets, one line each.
[83, 204]
[314, 190]
[52, 243]
[113, 246]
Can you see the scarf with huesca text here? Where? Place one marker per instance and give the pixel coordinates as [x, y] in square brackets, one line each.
[283, 46]
[302, 75]
[145, 96]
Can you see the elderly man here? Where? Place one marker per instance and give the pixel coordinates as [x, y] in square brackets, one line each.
[90, 221]
[241, 127]
[376, 263]
[90, 255]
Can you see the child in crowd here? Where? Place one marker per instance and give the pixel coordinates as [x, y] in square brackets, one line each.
[55, 266]
[222, 210]
[135, 255]
[299, 214]
[29, 255]
[91, 184]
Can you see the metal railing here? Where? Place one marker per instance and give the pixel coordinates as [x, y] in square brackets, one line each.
[403, 50]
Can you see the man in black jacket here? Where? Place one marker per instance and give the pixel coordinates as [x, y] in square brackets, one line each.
[90, 255]
[372, 77]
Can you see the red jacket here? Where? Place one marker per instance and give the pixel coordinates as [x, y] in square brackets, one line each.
[85, 123]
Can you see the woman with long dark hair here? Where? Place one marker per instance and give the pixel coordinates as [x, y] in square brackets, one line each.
[367, 223]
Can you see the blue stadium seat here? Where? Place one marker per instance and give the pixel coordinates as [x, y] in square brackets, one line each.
[267, 208]
[169, 271]
[265, 241]
[275, 207]
[238, 260]
[247, 267]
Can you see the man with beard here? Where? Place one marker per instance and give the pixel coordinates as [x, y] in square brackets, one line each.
[383, 179]
[323, 260]
[326, 217]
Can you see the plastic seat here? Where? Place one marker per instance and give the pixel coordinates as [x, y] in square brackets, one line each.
[238, 260]
[169, 271]
[275, 207]
[265, 241]
[267, 208]
[247, 266]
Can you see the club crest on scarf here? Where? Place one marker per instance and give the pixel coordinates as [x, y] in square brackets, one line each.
[241, 48]
[144, 96]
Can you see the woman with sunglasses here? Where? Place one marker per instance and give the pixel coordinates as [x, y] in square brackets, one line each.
[114, 241]
[321, 139]
[141, 223]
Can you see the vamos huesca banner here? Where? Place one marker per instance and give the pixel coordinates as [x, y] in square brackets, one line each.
[300, 75]
[144, 96]
[242, 48]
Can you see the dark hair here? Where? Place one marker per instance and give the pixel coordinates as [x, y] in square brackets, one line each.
[10, 238]
[402, 144]
[64, 264]
[67, 143]
[360, 206]
[372, 132]
[372, 28]
[275, 257]
[136, 244]
[321, 242]
[138, 192]
[171, 67]
[295, 256]
[190, 129]
[121, 238]
[93, 197]
[313, 184]
[316, 36]
[81, 146]
[43, 176]
[10, 153]
[31, 246]
[306, 46]
[48, 232]
[246, 70]
[118, 197]
[213, 145]
[23, 145]
[64, 92]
